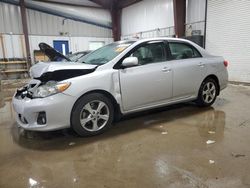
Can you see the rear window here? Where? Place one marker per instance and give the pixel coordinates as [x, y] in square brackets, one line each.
[183, 51]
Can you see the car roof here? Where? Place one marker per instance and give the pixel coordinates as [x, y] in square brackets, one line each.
[138, 41]
[156, 38]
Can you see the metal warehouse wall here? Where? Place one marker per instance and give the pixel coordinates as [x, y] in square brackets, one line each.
[10, 19]
[46, 28]
[75, 43]
[45, 24]
[148, 15]
[40, 23]
[13, 46]
[228, 26]
[195, 14]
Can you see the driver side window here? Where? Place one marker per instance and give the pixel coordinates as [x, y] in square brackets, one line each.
[150, 53]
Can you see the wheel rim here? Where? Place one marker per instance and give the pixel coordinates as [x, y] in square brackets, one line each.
[209, 92]
[94, 115]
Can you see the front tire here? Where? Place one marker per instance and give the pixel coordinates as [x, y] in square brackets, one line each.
[92, 114]
[207, 93]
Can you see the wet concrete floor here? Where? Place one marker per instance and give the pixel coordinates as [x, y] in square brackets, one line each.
[179, 146]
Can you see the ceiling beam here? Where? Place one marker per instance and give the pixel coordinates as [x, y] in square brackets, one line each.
[106, 4]
[25, 32]
[69, 3]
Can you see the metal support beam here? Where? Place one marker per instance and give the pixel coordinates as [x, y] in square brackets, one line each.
[205, 26]
[115, 7]
[116, 22]
[25, 32]
[70, 3]
[179, 17]
[3, 47]
[107, 4]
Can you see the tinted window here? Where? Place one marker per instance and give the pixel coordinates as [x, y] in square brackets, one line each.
[183, 51]
[150, 53]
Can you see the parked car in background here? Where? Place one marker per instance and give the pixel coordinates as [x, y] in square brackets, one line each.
[120, 78]
[75, 56]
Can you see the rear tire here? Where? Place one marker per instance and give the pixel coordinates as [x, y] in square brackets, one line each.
[207, 93]
[92, 114]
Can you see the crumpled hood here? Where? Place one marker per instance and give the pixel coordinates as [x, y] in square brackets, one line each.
[40, 68]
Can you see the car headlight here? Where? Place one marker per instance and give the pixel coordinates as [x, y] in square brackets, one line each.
[50, 88]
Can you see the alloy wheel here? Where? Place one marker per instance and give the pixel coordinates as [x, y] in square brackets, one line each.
[209, 92]
[94, 115]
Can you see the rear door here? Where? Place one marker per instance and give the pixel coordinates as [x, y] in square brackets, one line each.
[189, 69]
[149, 83]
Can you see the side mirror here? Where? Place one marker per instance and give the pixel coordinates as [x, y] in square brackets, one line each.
[130, 61]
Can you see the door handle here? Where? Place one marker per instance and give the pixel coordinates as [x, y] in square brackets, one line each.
[166, 69]
[201, 64]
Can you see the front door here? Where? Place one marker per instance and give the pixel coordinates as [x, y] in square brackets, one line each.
[150, 83]
[61, 46]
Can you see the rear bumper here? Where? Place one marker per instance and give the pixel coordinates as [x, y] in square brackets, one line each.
[223, 79]
[57, 109]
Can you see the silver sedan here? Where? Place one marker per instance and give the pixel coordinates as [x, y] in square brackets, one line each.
[120, 78]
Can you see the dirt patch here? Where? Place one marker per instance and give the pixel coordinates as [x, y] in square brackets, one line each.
[236, 155]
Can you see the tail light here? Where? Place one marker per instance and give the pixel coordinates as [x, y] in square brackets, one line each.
[225, 63]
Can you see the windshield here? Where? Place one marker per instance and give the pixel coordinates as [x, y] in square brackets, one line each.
[105, 53]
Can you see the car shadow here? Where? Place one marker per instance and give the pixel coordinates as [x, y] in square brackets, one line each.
[68, 139]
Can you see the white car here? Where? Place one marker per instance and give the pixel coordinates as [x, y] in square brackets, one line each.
[118, 79]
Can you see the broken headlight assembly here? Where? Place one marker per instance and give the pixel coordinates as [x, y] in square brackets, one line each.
[50, 88]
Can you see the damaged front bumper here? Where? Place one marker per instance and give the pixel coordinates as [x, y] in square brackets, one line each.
[43, 114]
[49, 109]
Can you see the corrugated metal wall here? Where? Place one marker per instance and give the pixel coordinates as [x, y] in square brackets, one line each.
[147, 15]
[46, 28]
[14, 46]
[40, 23]
[228, 27]
[10, 19]
[195, 10]
[152, 18]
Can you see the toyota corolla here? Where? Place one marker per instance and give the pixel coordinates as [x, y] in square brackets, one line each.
[120, 78]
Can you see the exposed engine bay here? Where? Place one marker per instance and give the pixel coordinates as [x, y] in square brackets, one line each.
[49, 81]
[28, 90]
